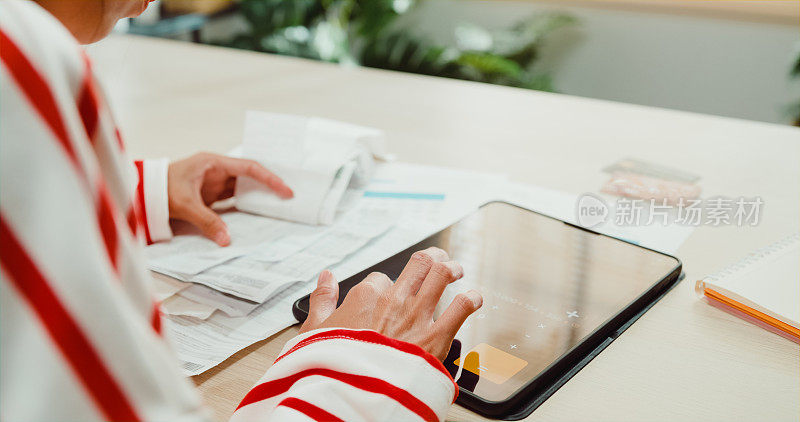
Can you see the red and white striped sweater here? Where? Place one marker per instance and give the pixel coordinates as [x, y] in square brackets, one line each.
[80, 331]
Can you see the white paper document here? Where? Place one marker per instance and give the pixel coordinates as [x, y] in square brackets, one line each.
[189, 252]
[181, 305]
[215, 300]
[164, 286]
[318, 158]
[203, 344]
[295, 253]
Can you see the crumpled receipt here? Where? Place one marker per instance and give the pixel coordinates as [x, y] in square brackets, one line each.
[318, 158]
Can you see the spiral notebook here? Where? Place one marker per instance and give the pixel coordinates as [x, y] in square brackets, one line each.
[763, 287]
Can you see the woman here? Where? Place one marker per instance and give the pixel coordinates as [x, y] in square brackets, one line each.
[81, 335]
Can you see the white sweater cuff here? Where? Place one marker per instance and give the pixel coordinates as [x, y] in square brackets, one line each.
[156, 199]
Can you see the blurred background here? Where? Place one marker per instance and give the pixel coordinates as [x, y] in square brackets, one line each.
[730, 58]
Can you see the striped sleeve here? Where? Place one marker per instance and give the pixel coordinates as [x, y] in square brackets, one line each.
[152, 199]
[351, 375]
[79, 329]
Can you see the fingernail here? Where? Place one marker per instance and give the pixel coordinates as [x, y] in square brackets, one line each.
[459, 272]
[324, 277]
[475, 297]
[284, 192]
[222, 238]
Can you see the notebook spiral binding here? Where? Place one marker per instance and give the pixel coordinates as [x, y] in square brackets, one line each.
[754, 257]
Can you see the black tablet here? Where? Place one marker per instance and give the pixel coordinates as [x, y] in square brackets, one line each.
[554, 295]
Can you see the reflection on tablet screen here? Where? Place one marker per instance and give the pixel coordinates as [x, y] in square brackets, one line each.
[491, 363]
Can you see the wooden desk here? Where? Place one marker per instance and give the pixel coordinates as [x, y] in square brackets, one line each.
[683, 360]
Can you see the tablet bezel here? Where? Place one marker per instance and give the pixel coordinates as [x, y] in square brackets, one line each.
[547, 381]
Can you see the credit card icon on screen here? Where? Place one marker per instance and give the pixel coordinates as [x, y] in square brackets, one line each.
[491, 363]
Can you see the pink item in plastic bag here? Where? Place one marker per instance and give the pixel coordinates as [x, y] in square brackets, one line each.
[637, 186]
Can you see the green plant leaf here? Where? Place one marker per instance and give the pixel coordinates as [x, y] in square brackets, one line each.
[373, 16]
[522, 41]
[399, 51]
[490, 64]
[268, 16]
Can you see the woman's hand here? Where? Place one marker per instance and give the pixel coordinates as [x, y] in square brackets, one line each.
[196, 182]
[403, 310]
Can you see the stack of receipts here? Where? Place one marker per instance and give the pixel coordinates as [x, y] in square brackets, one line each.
[221, 300]
[318, 158]
[265, 254]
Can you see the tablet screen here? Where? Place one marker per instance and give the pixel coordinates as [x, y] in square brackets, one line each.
[546, 285]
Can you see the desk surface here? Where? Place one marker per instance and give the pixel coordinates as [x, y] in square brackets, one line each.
[683, 360]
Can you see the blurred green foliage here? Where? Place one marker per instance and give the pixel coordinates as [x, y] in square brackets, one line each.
[366, 33]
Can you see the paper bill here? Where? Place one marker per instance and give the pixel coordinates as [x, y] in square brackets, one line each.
[180, 305]
[230, 305]
[166, 286]
[203, 344]
[189, 252]
[317, 157]
[256, 279]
